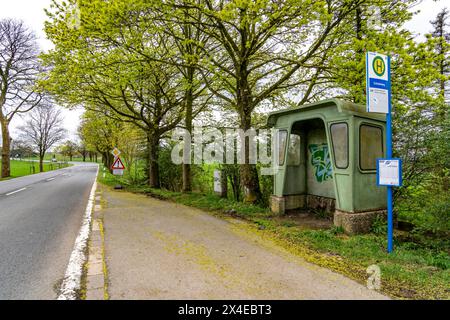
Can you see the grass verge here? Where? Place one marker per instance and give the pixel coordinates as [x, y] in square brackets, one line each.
[417, 269]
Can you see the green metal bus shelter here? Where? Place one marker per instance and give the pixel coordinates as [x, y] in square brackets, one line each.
[327, 161]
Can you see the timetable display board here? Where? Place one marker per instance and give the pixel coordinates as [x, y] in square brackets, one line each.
[389, 172]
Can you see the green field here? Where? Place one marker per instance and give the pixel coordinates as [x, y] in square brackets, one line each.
[25, 168]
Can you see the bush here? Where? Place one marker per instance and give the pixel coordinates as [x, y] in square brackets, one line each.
[170, 174]
[266, 184]
[336, 230]
[379, 226]
[426, 205]
[203, 178]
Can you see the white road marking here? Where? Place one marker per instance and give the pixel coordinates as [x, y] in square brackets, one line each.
[50, 179]
[72, 279]
[11, 193]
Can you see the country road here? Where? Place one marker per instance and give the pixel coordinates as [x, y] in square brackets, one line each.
[40, 216]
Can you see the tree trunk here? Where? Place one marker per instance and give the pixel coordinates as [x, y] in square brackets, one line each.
[107, 160]
[6, 150]
[235, 186]
[187, 175]
[153, 167]
[187, 184]
[104, 160]
[223, 184]
[248, 172]
[41, 163]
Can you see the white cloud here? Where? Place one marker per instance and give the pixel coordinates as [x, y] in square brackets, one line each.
[32, 13]
[420, 23]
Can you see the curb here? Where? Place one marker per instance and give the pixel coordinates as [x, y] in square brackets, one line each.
[96, 275]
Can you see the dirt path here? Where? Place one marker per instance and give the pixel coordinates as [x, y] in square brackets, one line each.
[161, 250]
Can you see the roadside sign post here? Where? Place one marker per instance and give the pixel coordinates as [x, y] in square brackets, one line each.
[378, 89]
[117, 166]
[116, 153]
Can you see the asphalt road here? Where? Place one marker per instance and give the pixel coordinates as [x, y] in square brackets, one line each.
[40, 216]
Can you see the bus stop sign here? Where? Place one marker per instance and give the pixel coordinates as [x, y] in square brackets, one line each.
[378, 82]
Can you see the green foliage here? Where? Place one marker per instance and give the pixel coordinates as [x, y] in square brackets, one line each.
[266, 183]
[152, 65]
[99, 132]
[200, 200]
[336, 230]
[203, 178]
[379, 226]
[426, 204]
[171, 174]
[234, 181]
[68, 149]
[288, 224]
[420, 115]
[323, 214]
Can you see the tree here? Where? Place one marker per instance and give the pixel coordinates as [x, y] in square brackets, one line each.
[378, 26]
[68, 149]
[84, 147]
[190, 43]
[19, 68]
[374, 26]
[260, 49]
[43, 129]
[100, 134]
[88, 69]
[82, 150]
[128, 24]
[132, 144]
[440, 43]
[442, 37]
[21, 148]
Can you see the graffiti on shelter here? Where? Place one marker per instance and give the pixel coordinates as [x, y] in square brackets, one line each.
[321, 161]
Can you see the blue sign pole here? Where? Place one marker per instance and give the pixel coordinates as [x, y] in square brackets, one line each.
[390, 215]
[378, 79]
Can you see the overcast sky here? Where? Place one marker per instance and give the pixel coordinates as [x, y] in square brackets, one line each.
[32, 12]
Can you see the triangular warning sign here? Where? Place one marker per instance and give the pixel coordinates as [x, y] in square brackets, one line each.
[118, 164]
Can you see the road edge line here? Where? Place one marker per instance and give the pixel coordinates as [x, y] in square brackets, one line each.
[14, 192]
[72, 278]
